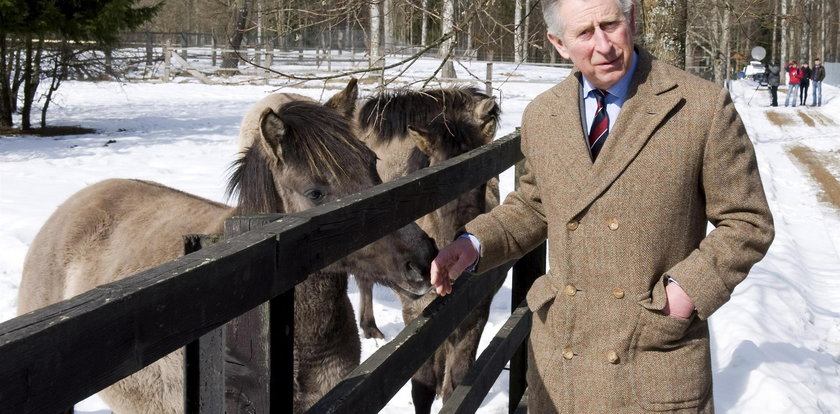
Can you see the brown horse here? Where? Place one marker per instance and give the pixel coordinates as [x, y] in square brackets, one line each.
[305, 154]
[410, 130]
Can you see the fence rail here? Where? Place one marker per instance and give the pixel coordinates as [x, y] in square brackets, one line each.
[56, 356]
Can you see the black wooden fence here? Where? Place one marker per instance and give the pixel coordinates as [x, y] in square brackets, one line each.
[56, 356]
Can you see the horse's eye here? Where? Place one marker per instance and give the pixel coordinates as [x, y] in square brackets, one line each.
[315, 194]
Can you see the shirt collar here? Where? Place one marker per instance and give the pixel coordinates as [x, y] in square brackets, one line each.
[619, 90]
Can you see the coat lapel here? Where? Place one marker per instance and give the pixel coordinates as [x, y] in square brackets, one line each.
[571, 149]
[648, 104]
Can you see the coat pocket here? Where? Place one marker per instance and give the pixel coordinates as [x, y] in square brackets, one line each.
[671, 362]
[541, 292]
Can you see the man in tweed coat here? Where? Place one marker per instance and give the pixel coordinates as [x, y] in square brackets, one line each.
[620, 320]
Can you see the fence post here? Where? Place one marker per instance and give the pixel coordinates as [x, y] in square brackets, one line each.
[149, 49]
[204, 358]
[260, 344]
[525, 271]
[269, 59]
[109, 68]
[488, 84]
[167, 60]
[213, 51]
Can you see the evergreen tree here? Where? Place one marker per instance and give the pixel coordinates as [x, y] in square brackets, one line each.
[29, 31]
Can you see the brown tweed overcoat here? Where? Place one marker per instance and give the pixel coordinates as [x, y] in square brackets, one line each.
[677, 158]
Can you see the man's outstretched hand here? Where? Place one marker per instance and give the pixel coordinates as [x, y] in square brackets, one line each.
[450, 263]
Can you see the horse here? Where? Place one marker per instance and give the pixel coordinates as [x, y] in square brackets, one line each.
[305, 154]
[410, 130]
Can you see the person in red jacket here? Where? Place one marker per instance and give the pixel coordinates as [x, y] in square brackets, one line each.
[794, 74]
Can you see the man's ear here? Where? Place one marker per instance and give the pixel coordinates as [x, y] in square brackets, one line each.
[558, 45]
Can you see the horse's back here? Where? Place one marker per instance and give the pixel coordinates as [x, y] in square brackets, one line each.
[107, 231]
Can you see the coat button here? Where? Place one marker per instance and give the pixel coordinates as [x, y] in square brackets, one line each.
[612, 357]
[613, 224]
[618, 293]
[568, 354]
[572, 225]
[570, 290]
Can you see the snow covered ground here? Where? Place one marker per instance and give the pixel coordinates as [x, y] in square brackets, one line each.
[776, 344]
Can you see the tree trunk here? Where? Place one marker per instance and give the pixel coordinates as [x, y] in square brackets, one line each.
[31, 78]
[823, 17]
[517, 32]
[58, 75]
[664, 29]
[424, 23]
[447, 28]
[727, 51]
[375, 23]
[783, 55]
[230, 59]
[388, 24]
[805, 35]
[5, 85]
[775, 31]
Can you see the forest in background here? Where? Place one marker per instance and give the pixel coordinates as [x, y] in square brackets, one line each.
[711, 38]
[702, 35]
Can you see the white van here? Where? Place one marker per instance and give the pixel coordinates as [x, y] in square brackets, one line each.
[755, 71]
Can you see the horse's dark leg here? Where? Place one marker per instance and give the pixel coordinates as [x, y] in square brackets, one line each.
[461, 347]
[366, 319]
[423, 395]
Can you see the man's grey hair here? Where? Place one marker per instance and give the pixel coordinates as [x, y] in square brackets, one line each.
[555, 25]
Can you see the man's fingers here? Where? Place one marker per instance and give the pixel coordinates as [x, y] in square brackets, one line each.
[450, 263]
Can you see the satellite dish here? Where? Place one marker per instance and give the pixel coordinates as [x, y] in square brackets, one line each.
[758, 53]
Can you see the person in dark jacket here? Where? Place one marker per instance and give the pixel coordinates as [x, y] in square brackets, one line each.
[803, 83]
[771, 73]
[817, 76]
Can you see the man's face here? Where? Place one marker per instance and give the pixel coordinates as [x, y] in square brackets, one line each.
[597, 38]
[816, 63]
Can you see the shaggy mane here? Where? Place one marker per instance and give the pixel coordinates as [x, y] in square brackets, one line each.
[453, 137]
[318, 141]
[391, 113]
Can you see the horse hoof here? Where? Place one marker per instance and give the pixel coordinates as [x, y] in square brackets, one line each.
[373, 333]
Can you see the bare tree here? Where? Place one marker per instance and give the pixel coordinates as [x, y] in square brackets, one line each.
[448, 46]
[664, 23]
[239, 21]
[518, 40]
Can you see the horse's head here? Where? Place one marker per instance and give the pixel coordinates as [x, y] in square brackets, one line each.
[438, 142]
[306, 154]
[383, 121]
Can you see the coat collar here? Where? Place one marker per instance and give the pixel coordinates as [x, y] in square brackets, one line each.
[651, 97]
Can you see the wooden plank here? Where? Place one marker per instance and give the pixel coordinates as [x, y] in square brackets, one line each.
[522, 406]
[198, 75]
[260, 343]
[204, 386]
[371, 385]
[380, 210]
[475, 386]
[526, 270]
[44, 353]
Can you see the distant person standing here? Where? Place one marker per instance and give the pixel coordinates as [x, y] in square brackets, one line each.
[793, 82]
[804, 81]
[817, 76]
[771, 73]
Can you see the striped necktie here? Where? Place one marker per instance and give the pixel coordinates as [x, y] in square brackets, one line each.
[600, 124]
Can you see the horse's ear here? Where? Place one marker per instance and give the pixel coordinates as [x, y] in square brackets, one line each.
[487, 112]
[345, 101]
[272, 130]
[421, 139]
